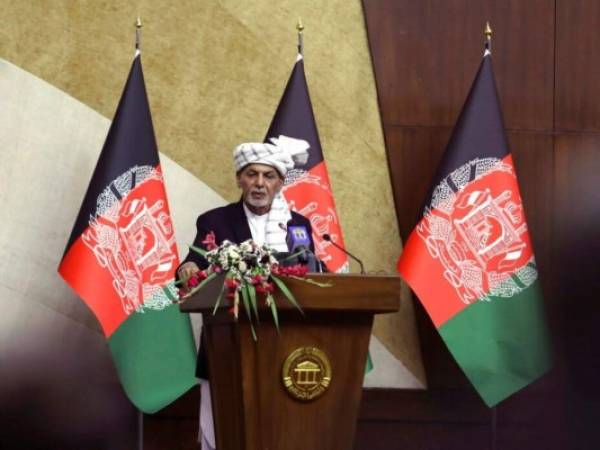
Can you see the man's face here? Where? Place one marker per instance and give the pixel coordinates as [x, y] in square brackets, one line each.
[260, 183]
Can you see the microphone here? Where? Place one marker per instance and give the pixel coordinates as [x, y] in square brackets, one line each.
[298, 241]
[328, 239]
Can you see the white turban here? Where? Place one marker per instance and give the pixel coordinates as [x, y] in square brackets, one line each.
[283, 153]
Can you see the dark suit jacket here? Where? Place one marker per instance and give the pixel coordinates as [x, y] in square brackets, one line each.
[228, 223]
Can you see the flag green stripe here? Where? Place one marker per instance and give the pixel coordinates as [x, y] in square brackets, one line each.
[502, 345]
[155, 356]
[369, 364]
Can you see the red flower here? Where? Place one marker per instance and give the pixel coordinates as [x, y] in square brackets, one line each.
[193, 281]
[257, 279]
[301, 270]
[182, 293]
[202, 275]
[210, 241]
[265, 288]
[298, 270]
[231, 283]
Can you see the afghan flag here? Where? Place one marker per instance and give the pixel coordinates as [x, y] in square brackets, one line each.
[307, 188]
[121, 258]
[470, 259]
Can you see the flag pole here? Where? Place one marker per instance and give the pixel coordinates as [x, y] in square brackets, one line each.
[138, 49]
[140, 430]
[300, 29]
[487, 32]
[138, 35]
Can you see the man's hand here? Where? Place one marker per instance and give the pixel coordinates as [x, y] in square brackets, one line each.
[186, 271]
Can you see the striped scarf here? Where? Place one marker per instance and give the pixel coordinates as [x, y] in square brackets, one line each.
[276, 228]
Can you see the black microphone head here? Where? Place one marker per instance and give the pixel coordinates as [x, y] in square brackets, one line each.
[303, 257]
[326, 237]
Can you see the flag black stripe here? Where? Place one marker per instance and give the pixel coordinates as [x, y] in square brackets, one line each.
[294, 116]
[479, 130]
[130, 142]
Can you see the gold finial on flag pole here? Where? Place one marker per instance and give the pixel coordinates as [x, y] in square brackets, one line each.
[138, 34]
[488, 37]
[300, 29]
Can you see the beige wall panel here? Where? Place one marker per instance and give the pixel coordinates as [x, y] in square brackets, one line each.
[215, 71]
[49, 145]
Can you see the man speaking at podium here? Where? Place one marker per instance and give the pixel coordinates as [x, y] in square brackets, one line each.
[262, 214]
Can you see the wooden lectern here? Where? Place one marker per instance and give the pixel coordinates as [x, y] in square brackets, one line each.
[261, 390]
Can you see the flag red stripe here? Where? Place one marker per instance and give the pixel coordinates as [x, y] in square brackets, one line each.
[312, 197]
[425, 273]
[93, 284]
[425, 276]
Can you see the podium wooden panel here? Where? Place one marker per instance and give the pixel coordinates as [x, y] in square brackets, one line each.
[251, 407]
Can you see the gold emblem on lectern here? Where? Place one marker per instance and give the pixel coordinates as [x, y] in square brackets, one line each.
[306, 373]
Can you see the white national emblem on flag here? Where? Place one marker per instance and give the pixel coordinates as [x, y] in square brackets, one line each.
[477, 234]
[133, 239]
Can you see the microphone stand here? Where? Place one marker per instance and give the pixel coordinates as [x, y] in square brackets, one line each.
[328, 239]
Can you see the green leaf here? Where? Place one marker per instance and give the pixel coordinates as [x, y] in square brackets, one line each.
[369, 364]
[203, 283]
[246, 302]
[198, 250]
[310, 281]
[281, 285]
[207, 279]
[220, 296]
[252, 294]
[274, 312]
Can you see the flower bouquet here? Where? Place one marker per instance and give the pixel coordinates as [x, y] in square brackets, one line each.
[250, 270]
